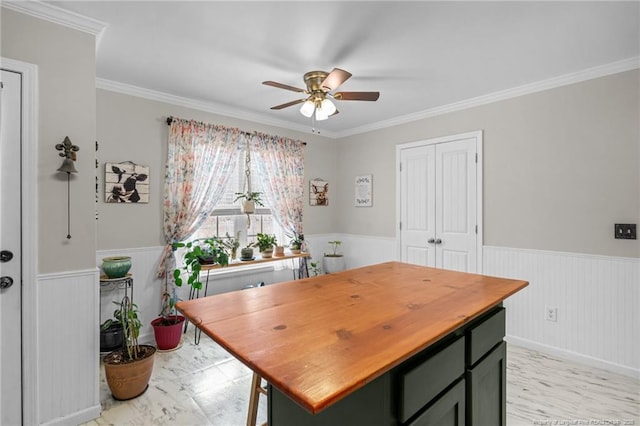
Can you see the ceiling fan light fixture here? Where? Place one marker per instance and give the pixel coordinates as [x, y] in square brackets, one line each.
[327, 107]
[307, 108]
[321, 114]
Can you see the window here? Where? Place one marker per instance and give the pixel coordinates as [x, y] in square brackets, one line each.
[227, 219]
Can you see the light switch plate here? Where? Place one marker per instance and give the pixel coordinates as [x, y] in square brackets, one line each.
[625, 231]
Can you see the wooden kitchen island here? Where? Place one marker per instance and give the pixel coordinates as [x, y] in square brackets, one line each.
[388, 344]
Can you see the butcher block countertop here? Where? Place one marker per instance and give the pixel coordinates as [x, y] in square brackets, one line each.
[321, 338]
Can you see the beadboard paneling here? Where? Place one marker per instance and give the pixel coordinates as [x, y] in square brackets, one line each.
[68, 348]
[597, 300]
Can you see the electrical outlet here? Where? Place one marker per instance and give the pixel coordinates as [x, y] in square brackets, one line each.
[551, 314]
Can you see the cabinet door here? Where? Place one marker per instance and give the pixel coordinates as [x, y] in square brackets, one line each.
[486, 390]
[448, 410]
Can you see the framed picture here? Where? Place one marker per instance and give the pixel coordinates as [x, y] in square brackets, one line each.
[126, 182]
[363, 186]
[318, 192]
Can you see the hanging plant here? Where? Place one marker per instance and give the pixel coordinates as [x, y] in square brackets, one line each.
[249, 201]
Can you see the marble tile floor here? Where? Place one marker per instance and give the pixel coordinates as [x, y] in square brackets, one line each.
[204, 385]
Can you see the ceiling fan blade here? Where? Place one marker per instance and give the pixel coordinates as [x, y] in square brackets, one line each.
[282, 86]
[356, 96]
[288, 104]
[335, 79]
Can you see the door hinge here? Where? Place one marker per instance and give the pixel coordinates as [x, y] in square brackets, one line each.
[476, 229]
[1, 85]
[476, 157]
[400, 166]
[401, 226]
[97, 146]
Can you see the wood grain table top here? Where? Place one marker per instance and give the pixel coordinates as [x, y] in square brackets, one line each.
[321, 338]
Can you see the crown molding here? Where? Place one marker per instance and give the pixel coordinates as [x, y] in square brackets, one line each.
[57, 15]
[564, 80]
[210, 107]
[539, 86]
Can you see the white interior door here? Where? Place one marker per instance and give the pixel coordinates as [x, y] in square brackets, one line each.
[418, 195]
[439, 207]
[455, 214]
[10, 245]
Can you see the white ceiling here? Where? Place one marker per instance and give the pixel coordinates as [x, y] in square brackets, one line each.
[421, 56]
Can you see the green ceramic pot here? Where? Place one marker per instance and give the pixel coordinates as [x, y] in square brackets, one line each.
[116, 266]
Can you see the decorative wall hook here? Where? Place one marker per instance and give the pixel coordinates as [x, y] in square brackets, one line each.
[68, 166]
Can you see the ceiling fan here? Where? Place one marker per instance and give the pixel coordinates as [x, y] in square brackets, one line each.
[320, 90]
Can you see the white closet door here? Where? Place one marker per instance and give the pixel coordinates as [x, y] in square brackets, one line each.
[418, 192]
[438, 204]
[456, 205]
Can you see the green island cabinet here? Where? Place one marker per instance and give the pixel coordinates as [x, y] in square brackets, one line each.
[459, 380]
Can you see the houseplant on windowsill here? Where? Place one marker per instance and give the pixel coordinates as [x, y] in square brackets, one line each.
[296, 243]
[207, 251]
[167, 328]
[231, 244]
[334, 261]
[129, 368]
[265, 243]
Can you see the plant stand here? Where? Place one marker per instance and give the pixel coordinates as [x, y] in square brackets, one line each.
[109, 284]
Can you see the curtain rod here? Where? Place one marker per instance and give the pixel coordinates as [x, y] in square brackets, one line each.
[170, 120]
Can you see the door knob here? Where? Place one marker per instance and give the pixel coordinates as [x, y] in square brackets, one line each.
[5, 256]
[438, 241]
[5, 282]
[431, 240]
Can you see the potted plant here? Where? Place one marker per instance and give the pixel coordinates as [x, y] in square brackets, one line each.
[129, 368]
[334, 261]
[249, 201]
[296, 243]
[265, 243]
[110, 335]
[231, 244]
[167, 328]
[315, 268]
[205, 251]
[246, 253]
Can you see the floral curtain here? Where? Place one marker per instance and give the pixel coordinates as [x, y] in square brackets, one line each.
[280, 162]
[200, 160]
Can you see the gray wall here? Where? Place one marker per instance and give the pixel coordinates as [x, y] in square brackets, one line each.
[134, 129]
[560, 167]
[67, 107]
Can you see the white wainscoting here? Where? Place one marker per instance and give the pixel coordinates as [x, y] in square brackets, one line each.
[68, 345]
[597, 300]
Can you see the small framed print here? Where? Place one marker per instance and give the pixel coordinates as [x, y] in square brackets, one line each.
[126, 182]
[318, 192]
[363, 187]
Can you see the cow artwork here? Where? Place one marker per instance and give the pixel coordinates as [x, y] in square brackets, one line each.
[126, 183]
[318, 192]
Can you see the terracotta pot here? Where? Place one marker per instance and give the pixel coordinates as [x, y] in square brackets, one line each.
[128, 380]
[279, 251]
[168, 335]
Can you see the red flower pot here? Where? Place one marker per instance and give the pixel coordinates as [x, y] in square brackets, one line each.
[167, 331]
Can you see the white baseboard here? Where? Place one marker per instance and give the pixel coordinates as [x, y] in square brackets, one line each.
[574, 356]
[77, 418]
